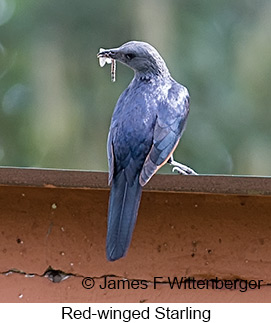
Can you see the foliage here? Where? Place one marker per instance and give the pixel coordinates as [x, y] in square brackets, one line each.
[56, 102]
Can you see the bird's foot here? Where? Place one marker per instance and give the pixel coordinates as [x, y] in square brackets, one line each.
[184, 170]
[180, 168]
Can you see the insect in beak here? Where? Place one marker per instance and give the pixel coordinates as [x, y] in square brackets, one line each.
[104, 58]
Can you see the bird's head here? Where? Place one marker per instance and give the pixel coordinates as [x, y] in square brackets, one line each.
[140, 56]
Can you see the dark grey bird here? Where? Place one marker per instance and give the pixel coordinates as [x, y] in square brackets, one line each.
[147, 124]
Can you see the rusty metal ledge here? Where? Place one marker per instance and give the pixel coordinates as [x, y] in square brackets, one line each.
[79, 179]
[205, 227]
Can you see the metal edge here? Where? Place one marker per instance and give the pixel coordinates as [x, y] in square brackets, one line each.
[80, 179]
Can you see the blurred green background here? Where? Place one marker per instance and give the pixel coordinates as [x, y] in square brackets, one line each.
[56, 102]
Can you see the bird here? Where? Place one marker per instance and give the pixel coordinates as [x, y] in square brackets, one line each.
[148, 121]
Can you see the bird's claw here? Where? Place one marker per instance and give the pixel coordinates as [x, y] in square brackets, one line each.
[180, 168]
[182, 171]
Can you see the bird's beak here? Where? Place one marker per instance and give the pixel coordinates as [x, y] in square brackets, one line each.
[107, 56]
[107, 53]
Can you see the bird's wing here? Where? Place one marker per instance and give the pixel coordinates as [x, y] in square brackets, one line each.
[169, 126]
[110, 155]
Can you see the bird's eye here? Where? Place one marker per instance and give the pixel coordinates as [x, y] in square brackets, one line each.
[130, 56]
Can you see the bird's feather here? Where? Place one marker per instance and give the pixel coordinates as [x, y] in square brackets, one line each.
[169, 126]
[123, 208]
[110, 156]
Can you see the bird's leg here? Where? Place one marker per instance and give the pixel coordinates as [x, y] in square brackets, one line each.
[180, 168]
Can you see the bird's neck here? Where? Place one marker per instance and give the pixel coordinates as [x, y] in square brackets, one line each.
[156, 75]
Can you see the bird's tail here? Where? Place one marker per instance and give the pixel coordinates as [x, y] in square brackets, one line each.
[122, 213]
